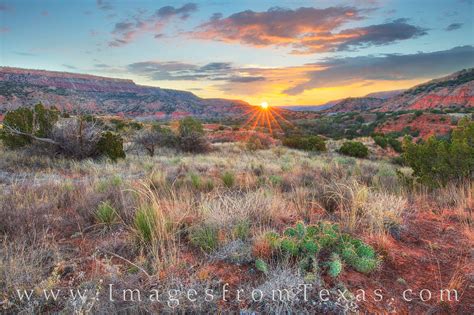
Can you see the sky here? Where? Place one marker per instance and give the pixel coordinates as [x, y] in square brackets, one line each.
[280, 52]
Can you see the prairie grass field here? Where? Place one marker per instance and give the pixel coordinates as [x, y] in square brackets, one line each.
[199, 221]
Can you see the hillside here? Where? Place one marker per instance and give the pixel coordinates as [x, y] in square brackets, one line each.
[356, 104]
[425, 125]
[19, 87]
[385, 94]
[307, 108]
[455, 90]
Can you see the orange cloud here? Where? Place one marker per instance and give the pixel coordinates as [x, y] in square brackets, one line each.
[306, 30]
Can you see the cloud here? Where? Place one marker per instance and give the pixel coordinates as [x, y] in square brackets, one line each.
[69, 67]
[380, 34]
[22, 53]
[247, 79]
[344, 71]
[453, 27]
[4, 30]
[183, 12]
[277, 26]
[104, 5]
[126, 31]
[179, 71]
[306, 30]
[102, 65]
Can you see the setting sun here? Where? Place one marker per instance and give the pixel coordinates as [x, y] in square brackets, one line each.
[264, 105]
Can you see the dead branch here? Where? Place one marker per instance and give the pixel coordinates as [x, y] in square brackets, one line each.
[21, 133]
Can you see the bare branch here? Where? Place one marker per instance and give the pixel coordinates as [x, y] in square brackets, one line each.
[21, 133]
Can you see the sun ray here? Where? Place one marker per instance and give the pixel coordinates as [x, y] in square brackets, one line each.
[268, 121]
[274, 120]
[257, 121]
[265, 118]
[249, 120]
[275, 111]
[251, 110]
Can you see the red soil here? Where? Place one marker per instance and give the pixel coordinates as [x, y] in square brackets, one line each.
[435, 101]
[432, 251]
[427, 124]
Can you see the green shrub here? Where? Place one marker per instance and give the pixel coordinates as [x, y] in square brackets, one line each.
[306, 143]
[157, 136]
[438, 162]
[228, 178]
[111, 146]
[38, 122]
[44, 120]
[191, 136]
[381, 141]
[205, 237]
[355, 149]
[418, 113]
[395, 144]
[105, 213]
[20, 119]
[145, 223]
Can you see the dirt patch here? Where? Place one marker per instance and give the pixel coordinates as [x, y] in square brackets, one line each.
[431, 254]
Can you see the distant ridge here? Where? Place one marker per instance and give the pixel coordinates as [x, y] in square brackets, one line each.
[85, 92]
[454, 90]
[302, 108]
[72, 91]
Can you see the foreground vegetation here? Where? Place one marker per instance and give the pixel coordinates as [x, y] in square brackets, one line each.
[177, 213]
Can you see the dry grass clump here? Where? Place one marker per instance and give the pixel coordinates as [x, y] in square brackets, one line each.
[286, 281]
[157, 228]
[25, 267]
[263, 208]
[455, 196]
[358, 206]
[383, 212]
